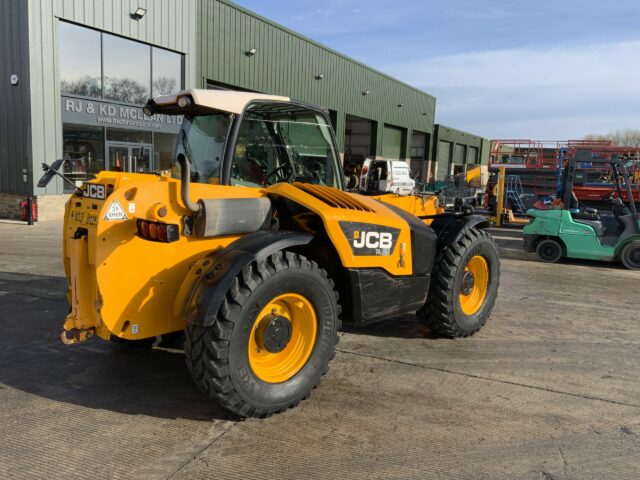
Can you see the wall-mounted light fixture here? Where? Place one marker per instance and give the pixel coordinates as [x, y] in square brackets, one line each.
[139, 13]
[366, 92]
[399, 105]
[251, 52]
[424, 114]
[14, 79]
[320, 76]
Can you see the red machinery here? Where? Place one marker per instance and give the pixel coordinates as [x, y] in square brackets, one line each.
[538, 163]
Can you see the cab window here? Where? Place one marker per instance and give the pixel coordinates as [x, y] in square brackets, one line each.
[284, 143]
[201, 140]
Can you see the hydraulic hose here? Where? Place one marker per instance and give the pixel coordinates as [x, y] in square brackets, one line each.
[185, 176]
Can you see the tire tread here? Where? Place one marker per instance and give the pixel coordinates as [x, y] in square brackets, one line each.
[206, 348]
[438, 314]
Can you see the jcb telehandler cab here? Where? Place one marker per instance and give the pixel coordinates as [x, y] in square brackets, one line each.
[574, 231]
[254, 250]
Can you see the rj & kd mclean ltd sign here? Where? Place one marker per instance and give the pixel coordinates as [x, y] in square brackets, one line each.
[94, 112]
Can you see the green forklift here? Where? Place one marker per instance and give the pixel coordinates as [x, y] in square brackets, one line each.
[575, 231]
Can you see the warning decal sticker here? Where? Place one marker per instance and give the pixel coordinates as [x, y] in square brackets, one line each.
[115, 212]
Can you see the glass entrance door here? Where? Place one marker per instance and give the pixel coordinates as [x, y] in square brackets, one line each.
[135, 158]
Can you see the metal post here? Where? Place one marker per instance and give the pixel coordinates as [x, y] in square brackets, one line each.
[500, 195]
[30, 210]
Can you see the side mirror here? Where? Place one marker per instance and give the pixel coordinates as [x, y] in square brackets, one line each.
[49, 172]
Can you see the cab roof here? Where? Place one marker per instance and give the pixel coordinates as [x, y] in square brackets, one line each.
[219, 100]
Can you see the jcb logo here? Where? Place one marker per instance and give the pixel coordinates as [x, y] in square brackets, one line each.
[94, 190]
[375, 240]
[368, 239]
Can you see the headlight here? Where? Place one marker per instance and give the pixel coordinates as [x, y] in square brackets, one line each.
[184, 101]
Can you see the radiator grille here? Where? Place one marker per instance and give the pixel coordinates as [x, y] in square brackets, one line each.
[333, 197]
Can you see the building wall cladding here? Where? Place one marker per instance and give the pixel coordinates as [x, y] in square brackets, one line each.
[214, 36]
[287, 63]
[15, 144]
[167, 24]
[455, 147]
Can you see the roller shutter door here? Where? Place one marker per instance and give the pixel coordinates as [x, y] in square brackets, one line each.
[472, 155]
[459, 154]
[391, 143]
[444, 150]
[307, 139]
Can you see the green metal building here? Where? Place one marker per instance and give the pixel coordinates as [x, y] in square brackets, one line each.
[453, 151]
[76, 72]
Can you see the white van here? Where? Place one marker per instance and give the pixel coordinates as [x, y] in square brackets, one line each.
[380, 176]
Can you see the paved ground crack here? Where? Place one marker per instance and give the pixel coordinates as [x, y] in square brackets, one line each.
[53, 298]
[489, 379]
[202, 449]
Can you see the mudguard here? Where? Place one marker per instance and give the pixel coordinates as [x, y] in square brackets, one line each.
[449, 227]
[215, 273]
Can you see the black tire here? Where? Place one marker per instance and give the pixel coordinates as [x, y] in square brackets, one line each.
[549, 250]
[217, 355]
[443, 313]
[630, 255]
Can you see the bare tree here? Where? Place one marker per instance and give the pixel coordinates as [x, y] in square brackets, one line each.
[621, 138]
[164, 86]
[85, 86]
[125, 90]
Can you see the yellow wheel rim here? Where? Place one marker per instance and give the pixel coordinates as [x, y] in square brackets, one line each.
[475, 284]
[281, 366]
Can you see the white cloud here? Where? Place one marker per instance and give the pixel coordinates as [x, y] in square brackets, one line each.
[559, 93]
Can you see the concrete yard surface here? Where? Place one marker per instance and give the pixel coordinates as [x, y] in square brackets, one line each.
[548, 389]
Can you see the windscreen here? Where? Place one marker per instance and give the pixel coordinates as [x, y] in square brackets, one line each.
[284, 143]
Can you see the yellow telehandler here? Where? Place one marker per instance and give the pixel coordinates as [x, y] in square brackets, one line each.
[252, 248]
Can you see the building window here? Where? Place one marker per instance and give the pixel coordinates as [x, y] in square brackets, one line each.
[101, 65]
[167, 72]
[127, 70]
[80, 65]
[83, 151]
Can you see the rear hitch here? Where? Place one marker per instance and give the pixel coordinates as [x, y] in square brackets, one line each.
[76, 335]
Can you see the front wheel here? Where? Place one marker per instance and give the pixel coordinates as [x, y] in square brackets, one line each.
[464, 285]
[549, 250]
[272, 339]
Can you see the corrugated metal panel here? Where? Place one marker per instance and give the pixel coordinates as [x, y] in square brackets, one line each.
[15, 119]
[392, 143]
[477, 147]
[287, 64]
[166, 24]
[448, 134]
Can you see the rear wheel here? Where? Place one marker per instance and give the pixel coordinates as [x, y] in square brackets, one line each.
[464, 285]
[549, 250]
[272, 338]
[630, 255]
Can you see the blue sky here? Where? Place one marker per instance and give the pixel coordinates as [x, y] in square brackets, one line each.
[503, 69]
